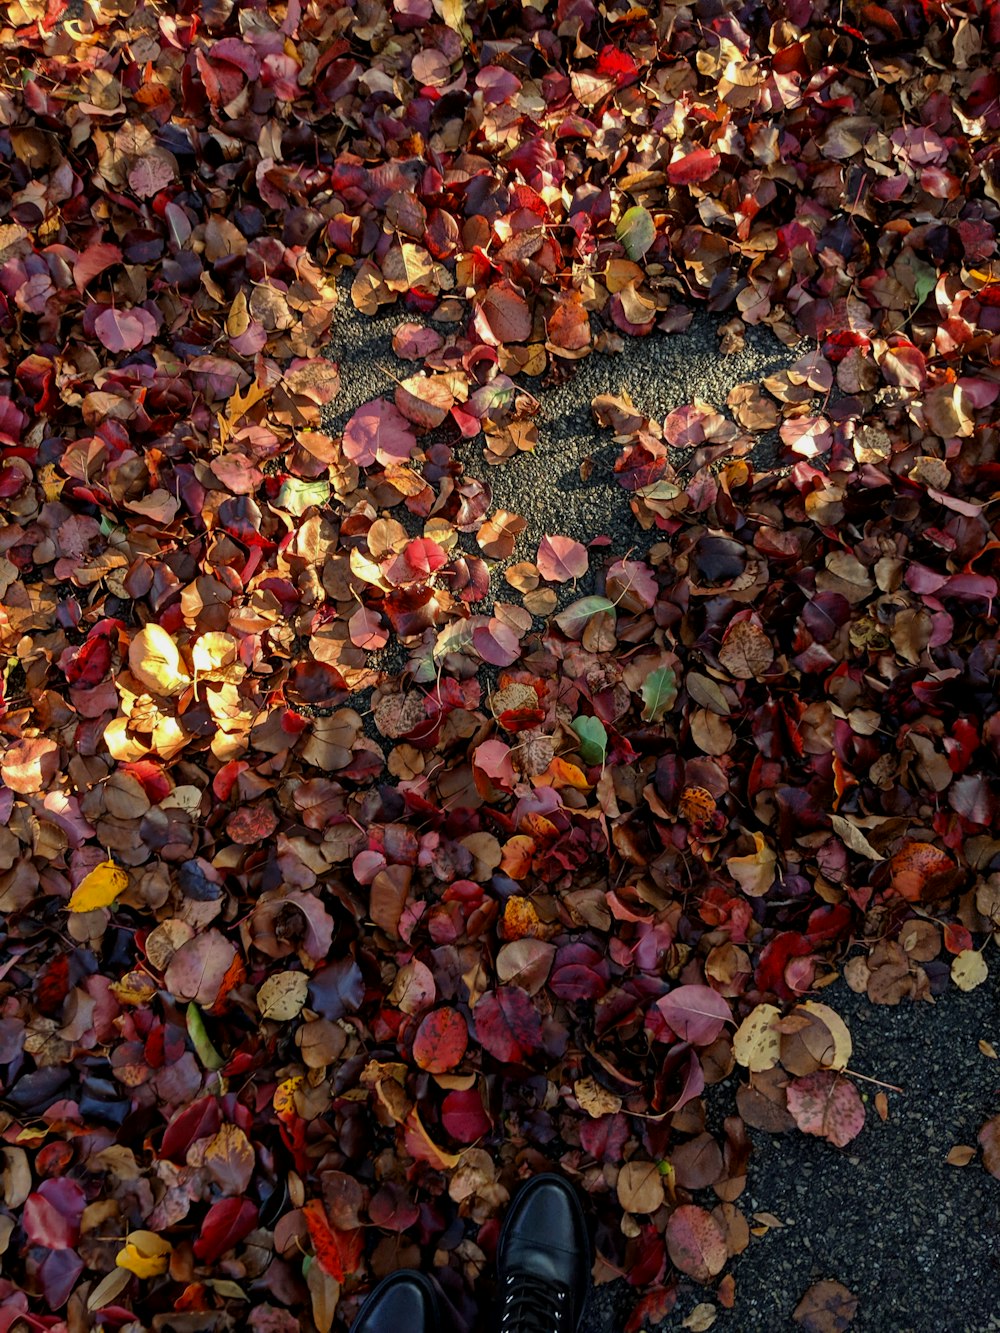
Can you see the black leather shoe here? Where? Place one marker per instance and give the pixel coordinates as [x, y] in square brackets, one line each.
[404, 1302]
[544, 1260]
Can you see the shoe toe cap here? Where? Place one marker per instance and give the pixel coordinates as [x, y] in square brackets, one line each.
[546, 1234]
[404, 1302]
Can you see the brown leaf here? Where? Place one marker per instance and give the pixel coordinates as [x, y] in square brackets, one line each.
[827, 1307]
[640, 1187]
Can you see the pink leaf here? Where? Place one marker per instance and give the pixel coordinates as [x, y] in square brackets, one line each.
[496, 643]
[828, 1106]
[198, 968]
[807, 436]
[695, 1242]
[493, 759]
[561, 559]
[367, 630]
[125, 330]
[696, 1013]
[150, 174]
[378, 431]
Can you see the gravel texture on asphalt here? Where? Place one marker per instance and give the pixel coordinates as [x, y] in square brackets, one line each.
[544, 486]
[916, 1240]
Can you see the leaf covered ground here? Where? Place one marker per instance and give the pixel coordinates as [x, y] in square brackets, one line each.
[364, 849]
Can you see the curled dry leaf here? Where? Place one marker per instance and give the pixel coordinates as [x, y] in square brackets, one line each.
[145, 1254]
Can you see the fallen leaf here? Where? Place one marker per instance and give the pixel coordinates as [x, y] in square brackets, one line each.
[827, 1307]
[828, 1106]
[99, 888]
[960, 1155]
[561, 559]
[695, 1243]
[145, 1254]
[640, 1187]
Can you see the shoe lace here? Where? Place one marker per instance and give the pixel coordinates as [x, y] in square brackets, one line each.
[533, 1304]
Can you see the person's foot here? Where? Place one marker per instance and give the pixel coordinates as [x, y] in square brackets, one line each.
[404, 1302]
[544, 1260]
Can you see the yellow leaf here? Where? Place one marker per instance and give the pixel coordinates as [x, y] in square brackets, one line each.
[968, 969]
[145, 1254]
[756, 1044]
[100, 888]
[283, 1100]
[839, 1053]
[282, 996]
[155, 661]
[240, 404]
[452, 13]
[754, 873]
[238, 319]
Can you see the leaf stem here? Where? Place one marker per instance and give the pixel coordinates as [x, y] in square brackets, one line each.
[877, 1081]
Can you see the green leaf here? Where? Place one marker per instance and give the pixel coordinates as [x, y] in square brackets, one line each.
[659, 692]
[637, 231]
[296, 496]
[593, 739]
[926, 281]
[573, 620]
[206, 1052]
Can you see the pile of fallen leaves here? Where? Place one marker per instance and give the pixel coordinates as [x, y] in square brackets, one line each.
[306, 962]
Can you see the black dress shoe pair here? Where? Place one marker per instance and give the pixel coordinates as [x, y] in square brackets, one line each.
[543, 1272]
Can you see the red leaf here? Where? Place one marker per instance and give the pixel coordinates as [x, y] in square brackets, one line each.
[424, 556]
[464, 1117]
[95, 259]
[561, 559]
[225, 1225]
[696, 1013]
[507, 1025]
[51, 1216]
[441, 1040]
[695, 167]
[338, 1252]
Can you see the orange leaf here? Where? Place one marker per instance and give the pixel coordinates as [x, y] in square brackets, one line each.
[520, 920]
[337, 1252]
[517, 854]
